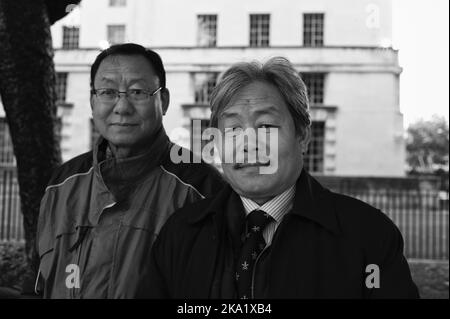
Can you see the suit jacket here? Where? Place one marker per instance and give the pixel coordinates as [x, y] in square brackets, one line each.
[328, 246]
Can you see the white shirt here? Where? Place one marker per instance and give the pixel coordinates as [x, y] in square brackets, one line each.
[277, 207]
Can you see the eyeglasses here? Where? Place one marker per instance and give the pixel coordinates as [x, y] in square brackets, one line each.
[133, 95]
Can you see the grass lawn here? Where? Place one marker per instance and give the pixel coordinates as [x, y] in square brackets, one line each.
[431, 278]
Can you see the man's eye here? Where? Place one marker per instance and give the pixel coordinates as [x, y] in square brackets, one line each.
[232, 128]
[136, 92]
[107, 92]
[266, 125]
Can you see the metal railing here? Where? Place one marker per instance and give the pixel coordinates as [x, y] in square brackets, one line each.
[422, 216]
[11, 219]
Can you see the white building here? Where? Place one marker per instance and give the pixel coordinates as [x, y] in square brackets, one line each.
[341, 48]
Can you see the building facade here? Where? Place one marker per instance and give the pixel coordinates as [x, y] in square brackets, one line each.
[341, 49]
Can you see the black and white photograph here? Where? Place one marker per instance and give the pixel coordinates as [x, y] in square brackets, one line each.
[224, 154]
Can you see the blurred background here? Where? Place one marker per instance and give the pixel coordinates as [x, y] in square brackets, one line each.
[376, 71]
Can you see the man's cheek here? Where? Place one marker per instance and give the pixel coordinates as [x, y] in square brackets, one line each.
[269, 148]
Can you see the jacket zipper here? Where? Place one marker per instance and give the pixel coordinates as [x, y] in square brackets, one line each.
[254, 271]
[80, 244]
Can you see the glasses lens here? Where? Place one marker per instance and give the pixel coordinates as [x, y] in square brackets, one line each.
[137, 95]
[107, 95]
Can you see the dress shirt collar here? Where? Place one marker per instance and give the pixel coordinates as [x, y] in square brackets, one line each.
[277, 207]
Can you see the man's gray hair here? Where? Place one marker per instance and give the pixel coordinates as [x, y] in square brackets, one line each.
[277, 71]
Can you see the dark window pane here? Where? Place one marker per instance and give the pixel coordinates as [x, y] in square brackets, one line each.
[315, 84]
[207, 30]
[259, 30]
[204, 84]
[313, 25]
[61, 86]
[314, 158]
[71, 37]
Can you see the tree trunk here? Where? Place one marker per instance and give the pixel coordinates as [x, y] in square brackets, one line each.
[27, 91]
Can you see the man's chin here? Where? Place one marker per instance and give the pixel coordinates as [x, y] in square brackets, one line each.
[254, 187]
[123, 140]
[256, 172]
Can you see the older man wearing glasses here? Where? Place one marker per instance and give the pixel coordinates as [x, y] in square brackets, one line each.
[102, 210]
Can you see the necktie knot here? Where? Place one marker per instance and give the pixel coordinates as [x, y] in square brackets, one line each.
[258, 219]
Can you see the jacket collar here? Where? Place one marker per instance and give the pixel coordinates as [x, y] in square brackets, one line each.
[131, 168]
[115, 178]
[314, 202]
[155, 150]
[311, 201]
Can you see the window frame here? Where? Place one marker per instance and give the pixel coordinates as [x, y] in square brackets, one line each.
[259, 30]
[313, 29]
[203, 90]
[116, 27]
[316, 92]
[117, 3]
[61, 86]
[71, 37]
[314, 159]
[209, 31]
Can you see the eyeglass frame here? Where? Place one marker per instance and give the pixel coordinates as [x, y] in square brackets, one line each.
[94, 92]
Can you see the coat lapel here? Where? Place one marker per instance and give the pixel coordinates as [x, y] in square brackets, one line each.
[224, 218]
[297, 249]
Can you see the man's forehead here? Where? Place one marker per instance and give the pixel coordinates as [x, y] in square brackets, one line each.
[255, 93]
[258, 98]
[108, 76]
[255, 101]
[134, 67]
[241, 102]
[253, 106]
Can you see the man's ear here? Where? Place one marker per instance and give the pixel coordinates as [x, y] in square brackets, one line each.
[304, 139]
[165, 100]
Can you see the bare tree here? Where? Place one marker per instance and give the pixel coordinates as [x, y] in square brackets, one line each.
[27, 81]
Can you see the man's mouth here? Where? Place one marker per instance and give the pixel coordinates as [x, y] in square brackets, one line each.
[245, 165]
[123, 124]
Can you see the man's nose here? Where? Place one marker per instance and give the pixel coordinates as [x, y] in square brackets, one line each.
[250, 140]
[123, 106]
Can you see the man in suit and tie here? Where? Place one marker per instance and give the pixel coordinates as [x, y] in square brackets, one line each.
[275, 233]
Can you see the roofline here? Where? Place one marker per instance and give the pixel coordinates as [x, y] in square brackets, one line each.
[246, 47]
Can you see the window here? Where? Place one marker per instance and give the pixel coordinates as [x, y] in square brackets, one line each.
[57, 129]
[207, 30]
[61, 87]
[259, 30]
[117, 3]
[313, 24]
[313, 159]
[116, 34]
[7, 157]
[63, 124]
[315, 84]
[204, 84]
[71, 37]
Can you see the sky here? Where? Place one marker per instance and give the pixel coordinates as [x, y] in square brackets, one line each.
[420, 33]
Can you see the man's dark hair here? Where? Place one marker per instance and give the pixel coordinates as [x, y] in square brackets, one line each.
[131, 49]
